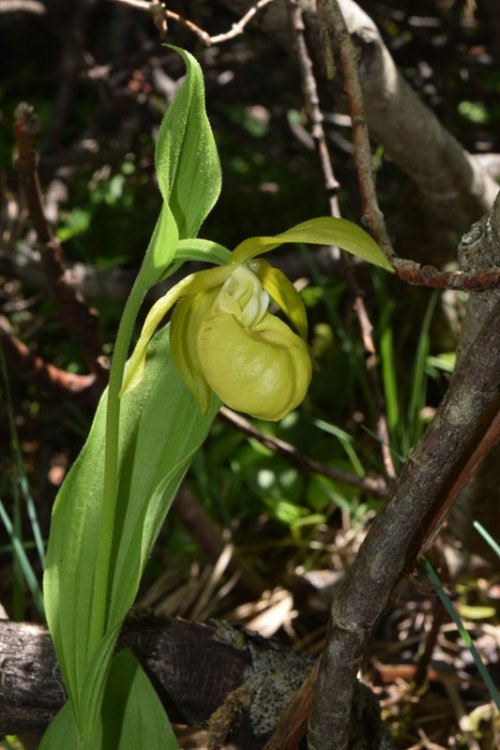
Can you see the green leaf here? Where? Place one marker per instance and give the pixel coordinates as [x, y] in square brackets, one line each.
[111, 506]
[323, 231]
[161, 428]
[62, 731]
[187, 163]
[204, 250]
[131, 717]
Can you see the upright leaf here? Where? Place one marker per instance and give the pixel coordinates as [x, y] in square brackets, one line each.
[161, 428]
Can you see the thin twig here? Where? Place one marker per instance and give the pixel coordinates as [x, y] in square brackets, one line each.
[310, 92]
[414, 273]
[312, 108]
[72, 309]
[337, 37]
[30, 366]
[158, 10]
[286, 450]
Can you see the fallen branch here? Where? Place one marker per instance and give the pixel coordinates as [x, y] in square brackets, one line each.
[198, 670]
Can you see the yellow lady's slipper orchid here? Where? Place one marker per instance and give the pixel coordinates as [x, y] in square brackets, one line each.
[223, 338]
[225, 341]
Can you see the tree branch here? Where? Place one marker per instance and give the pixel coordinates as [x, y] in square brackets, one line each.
[375, 486]
[430, 481]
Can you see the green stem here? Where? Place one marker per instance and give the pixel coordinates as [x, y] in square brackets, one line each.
[203, 250]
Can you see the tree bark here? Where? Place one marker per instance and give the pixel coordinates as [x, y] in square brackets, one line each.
[462, 432]
[480, 500]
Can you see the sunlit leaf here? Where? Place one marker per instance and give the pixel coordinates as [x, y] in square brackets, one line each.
[161, 428]
[323, 231]
[187, 162]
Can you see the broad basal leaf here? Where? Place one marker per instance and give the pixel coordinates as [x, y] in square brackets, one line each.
[161, 427]
[131, 716]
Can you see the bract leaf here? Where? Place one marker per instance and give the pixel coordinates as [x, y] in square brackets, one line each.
[204, 250]
[325, 230]
[187, 163]
[283, 293]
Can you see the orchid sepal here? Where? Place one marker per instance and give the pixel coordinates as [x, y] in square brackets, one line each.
[325, 230]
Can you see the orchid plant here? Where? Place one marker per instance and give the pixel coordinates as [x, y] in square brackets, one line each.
[223, 345]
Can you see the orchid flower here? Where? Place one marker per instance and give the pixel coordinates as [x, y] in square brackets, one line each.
[223, 338]
[225, 341]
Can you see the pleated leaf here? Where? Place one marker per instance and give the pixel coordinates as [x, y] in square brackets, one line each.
[161, 428]
[132, 715]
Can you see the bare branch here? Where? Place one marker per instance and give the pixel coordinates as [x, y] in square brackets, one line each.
[309, 465]
[415, 273]
[72, 309]
[334, 31]
[159, 12]
[462, 429]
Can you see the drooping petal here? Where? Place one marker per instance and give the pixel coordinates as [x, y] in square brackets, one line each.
[187, 317]
[192, 284]
[263, 371]
[134, 371]
[283, 293]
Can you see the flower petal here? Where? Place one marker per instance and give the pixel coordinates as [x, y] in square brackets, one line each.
[187, 317]
[326, 230]
[263, 371]
[191, 284]
[283, 293]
